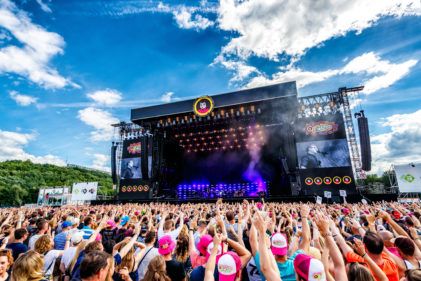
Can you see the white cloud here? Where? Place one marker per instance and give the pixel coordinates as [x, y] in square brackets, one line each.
[101, 162]
[106, 97]
[39, 46]
[380, 73]
[44, 6]
[100, 120]
[401, 144]
[12, 148]
[187, 20]
[240, 69]
[268, 28]
[22, 100]
[167, 97]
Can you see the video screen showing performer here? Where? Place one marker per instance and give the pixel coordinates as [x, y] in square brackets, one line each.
[130, 168]
[323, 154]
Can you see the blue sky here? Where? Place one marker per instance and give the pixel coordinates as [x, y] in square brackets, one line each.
[69, 69]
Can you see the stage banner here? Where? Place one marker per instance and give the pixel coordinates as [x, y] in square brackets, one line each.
[84, 191]
[409, 177]
[323, 155]
[133, 184]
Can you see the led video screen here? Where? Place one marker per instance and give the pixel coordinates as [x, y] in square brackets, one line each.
[323, 154]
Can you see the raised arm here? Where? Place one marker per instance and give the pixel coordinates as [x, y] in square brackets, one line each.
[396, 227]
[323, 226]
[305, 241]
[378, 273]
[210, 265]
[267, 260]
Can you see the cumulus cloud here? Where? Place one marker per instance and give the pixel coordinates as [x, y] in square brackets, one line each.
[13, 145]
[268, 28]
[101, 162]
[239, 68]
[167, 97]
[380, 73]
[23, 100]
[186, 19]
[400, 144]
[100, 120]
[106, 97]
[37, 46]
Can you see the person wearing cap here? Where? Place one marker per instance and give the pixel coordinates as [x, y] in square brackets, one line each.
[279, 248]
[198, 274]
[60, 239]
[309, 269]
[175, 269]
[69, 253]
[228, 264]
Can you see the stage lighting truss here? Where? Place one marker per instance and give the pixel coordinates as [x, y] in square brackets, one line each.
[218, 115]
[239, 138]
[127, 131]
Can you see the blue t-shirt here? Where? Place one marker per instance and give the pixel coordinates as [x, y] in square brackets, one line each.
[17, 249]
[285, 268]
[198, 274]
[60, 240]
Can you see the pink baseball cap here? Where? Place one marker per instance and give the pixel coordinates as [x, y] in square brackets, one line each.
[229, 264]
[166, 245]
[309, 268]
[346, 211]
[111, 223]
[279, 244]
[203, 244]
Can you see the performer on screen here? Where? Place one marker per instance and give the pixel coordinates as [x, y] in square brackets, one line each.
[311, 160]
[129, 171]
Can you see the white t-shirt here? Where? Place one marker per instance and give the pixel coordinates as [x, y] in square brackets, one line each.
[32, 240]
[49, 260]
[173, 234]
[68, 255]
[143, 267]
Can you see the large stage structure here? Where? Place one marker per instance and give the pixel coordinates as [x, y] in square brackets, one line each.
[260, 142]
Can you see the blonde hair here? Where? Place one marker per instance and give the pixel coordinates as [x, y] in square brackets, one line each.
[28, 267]
[43, 244]
[128, 260]
[157, 270]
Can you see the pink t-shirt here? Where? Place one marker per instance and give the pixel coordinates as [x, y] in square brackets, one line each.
[197, 260]
[394, 250]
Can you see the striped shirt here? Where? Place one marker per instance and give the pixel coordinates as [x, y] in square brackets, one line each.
[87, 232]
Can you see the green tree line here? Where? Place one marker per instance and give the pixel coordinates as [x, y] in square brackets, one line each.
[21, 180]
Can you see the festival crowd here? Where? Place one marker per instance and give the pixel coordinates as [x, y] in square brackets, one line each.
[219, 241]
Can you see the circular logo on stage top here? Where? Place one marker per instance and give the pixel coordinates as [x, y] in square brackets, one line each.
[203, 106]
[337, 180]
[146, 188]
[327, 180]
[347, 180]
[134, 188]
[318, 181]
[123, 189]
[308, 181]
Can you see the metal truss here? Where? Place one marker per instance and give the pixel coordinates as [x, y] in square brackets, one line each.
[331, 103]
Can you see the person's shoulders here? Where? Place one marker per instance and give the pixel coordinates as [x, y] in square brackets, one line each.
[388, 262]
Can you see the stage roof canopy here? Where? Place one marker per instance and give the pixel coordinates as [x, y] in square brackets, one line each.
[276, 91]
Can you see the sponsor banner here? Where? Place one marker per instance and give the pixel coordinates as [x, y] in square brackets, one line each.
[342, 193]
[409, 177]
[328, 194]
[84, 191]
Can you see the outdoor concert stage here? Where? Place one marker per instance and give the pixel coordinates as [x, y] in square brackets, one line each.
[261, 142]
